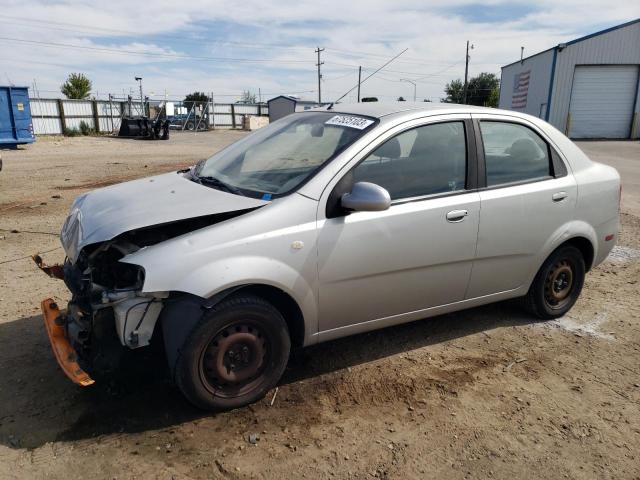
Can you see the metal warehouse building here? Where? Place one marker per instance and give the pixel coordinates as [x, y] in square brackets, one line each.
[587, 88]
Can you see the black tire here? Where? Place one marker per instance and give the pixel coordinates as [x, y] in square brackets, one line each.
[557, 285]
[234, 355]
[191, 126]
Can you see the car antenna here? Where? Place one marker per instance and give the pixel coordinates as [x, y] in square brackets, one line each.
[367, 78]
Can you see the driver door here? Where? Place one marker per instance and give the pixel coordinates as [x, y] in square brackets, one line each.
[380, 268]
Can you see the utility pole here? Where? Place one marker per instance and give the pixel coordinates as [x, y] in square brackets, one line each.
[359, 77]
[318, 50]
[259, 95]
[466, 72]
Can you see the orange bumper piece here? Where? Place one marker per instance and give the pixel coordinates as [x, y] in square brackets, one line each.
[62, 349]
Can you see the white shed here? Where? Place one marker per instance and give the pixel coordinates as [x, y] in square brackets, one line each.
[283, 105]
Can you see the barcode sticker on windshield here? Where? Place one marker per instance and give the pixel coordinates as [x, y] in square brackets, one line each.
[349, 121]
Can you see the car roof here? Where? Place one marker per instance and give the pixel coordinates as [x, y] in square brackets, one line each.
[383, 109]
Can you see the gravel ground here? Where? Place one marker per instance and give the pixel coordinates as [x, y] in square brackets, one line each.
[487, 392]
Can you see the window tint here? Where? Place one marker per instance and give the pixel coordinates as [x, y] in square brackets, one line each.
[422, 161]
[513, 153]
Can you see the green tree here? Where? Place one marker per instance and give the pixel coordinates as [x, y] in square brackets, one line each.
[481, 89]
[494, 98]
[77, 86]
[248, 97]
[197, 98]
[454, 91]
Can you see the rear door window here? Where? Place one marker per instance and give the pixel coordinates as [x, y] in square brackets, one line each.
[513, 153]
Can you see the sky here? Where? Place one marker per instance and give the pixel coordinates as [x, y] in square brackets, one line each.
[226, 47]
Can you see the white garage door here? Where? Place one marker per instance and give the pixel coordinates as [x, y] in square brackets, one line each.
[602, 101]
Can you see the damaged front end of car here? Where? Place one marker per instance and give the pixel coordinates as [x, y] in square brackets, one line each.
[107, 310]
[110, 310]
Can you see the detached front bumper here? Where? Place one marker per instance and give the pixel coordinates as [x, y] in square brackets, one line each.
[64, 352]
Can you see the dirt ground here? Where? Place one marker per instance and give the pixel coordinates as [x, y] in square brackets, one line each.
[484, 393]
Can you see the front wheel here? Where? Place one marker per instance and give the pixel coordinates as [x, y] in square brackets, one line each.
[235, 354]
[557, 284]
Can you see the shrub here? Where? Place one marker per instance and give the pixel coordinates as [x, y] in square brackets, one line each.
[71, 132]
[85, 129]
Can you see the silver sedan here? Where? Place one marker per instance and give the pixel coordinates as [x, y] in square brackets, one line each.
[328, 223]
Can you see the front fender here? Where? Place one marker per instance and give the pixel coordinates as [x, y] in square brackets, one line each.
[209, 279]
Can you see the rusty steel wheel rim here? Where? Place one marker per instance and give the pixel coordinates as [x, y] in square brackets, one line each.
[559, 284]
[234, 361]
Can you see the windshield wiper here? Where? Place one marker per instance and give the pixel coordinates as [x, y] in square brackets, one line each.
[217, 183]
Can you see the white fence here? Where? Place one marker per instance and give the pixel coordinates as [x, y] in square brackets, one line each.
[230, 114]
[54, 116]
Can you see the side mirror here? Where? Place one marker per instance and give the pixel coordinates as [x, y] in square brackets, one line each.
[366, 197]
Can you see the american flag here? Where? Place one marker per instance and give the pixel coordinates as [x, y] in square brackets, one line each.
[520, 89]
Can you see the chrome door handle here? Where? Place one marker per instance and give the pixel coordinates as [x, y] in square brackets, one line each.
[455, 216]
[559, 196]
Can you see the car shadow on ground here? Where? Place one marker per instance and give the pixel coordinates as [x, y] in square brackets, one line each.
[38, 404]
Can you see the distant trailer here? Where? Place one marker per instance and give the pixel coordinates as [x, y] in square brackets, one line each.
[16, 127]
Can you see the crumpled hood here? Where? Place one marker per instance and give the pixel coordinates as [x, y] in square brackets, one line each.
[105, 213]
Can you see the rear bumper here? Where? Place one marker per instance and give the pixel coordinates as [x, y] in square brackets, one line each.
[62, 349]
[607, 237]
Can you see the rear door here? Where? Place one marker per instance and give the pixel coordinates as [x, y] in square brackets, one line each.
[528, 195]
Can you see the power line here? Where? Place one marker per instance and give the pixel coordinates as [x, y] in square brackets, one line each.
[438, 72]
[371, 75]
[190, 40]
[152, 54]
[84, 29]
[330, 79]
[416, 61]
[388, 71]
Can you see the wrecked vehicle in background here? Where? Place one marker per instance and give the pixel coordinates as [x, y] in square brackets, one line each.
[324, 224]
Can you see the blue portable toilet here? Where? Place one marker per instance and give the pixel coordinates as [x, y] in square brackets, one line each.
[16, 126]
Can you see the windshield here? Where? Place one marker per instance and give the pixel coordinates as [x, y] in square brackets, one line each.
[276, 159]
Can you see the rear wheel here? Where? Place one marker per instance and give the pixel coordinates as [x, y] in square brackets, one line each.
[235, 354]
[557, 284]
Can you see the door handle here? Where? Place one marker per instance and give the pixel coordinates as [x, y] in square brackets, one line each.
[559, 196]
[455, 216]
